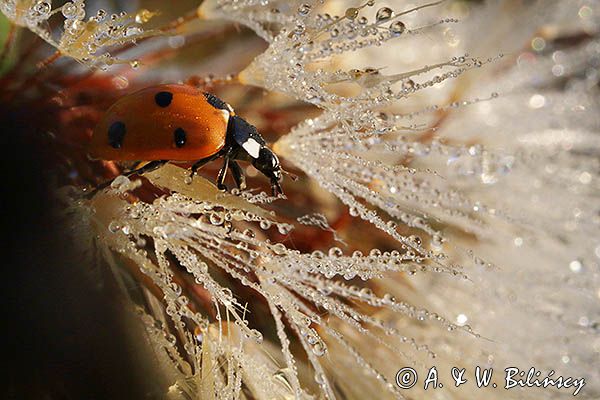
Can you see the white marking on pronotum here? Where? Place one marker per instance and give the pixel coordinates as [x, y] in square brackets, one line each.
[225, 114]
[252, 147]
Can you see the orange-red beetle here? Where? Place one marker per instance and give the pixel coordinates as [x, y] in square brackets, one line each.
[181, 123]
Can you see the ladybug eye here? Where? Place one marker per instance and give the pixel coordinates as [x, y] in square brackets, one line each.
[163, 99]
[116, 133]
[180, 137]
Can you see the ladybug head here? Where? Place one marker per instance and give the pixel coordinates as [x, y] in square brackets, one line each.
[268, 163]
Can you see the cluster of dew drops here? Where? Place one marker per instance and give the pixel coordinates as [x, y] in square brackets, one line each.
[83, 40]
[383, 14]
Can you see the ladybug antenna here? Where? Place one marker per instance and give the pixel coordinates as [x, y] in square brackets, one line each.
[292, 176]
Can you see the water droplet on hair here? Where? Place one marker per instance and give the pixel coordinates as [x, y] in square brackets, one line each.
[114, 226]
[384, 13]
[351, 13]
[304, 9]
[397, 28]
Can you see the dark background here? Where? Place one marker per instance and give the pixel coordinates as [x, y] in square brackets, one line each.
[66, 336]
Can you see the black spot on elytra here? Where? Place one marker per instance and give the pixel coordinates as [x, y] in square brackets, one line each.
[179, 136]
[116, 133]
[163, 99]
[216, 102]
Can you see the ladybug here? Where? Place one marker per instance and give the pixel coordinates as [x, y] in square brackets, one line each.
[180, 123]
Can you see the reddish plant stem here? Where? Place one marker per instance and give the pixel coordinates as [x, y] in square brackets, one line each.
[8, 43]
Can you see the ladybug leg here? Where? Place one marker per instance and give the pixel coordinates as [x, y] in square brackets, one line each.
[238, 174]
[222, 175]
[276, 187]
[151, 166]
[201, 163]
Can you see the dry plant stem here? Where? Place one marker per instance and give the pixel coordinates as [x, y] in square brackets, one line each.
[201, 299]
[36, 77]
[48, 61]
[163, 54]
[44, 64]
[124, 70]
[14, 71]
[210, 82]
[8, 42]
[168, 28]
[179, 22]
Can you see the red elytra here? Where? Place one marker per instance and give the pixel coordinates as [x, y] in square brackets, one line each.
[145, 126]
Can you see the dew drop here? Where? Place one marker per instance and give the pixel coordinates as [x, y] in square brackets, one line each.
[132, 31]
[318, 254]
[216, 219]
[375, 253]
[320, 378]
[120, 183]
[408, 84]
[284, 229]
[279, 249]
[43, 8]
[304, 9]
[437, 240]
[143, 16]
[114, 227]
[319, 349]
[264, 224]
[256, 335]
[140, 242]
[397, 28]
[415, 239]
[388, 298]
[335, 252]
[384, 13]
[351, 13]
[69, 10]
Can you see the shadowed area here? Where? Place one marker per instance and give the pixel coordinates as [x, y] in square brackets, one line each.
[66, 333]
